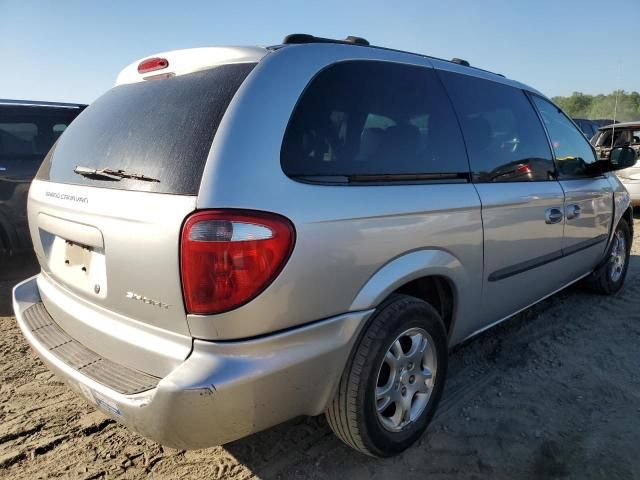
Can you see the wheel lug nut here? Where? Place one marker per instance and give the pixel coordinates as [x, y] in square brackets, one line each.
[410, 366]
[404, 390]
[412, 379]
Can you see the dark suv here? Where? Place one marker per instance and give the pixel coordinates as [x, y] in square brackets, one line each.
[28, 129]
[590, 127]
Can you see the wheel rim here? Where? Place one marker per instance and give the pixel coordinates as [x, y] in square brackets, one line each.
[618, 257]
[405, 379]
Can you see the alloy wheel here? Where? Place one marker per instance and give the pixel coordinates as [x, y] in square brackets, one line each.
[405, 379]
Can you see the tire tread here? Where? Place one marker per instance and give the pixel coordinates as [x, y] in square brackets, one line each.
[598, 282]
[342, 414]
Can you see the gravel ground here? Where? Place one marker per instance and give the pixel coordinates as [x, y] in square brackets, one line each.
[552, 393]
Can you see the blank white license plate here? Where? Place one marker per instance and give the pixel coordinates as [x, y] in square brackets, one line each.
[78, 266]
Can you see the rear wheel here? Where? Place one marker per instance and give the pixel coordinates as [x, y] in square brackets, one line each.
[609, 277]
[391, 387]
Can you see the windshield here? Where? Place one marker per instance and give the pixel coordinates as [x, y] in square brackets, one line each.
[162, 129]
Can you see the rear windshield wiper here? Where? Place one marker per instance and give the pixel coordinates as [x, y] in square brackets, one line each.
[111, 174]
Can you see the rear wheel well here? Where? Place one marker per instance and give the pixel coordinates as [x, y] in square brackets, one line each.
[436, 291]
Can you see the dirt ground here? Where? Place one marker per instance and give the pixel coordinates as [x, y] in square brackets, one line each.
[552, 393]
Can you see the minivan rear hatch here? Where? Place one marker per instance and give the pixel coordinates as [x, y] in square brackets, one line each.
[107, 206]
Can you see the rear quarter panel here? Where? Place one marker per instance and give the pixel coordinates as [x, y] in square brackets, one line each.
[344, 235]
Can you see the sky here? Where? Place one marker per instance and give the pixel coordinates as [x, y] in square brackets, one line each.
[72, 50]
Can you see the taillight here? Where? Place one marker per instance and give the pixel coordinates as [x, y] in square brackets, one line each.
[152, 64]
[227, 257]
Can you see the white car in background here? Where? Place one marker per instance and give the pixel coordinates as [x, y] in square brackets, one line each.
[620, 135]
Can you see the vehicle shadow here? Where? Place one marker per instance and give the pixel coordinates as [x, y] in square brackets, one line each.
[499, 360]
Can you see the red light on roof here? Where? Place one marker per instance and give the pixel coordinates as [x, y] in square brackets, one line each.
[152, 64]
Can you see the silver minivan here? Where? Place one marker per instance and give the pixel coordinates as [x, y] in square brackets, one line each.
[232, 237]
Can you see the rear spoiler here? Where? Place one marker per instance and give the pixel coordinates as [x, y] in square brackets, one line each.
[180, 62]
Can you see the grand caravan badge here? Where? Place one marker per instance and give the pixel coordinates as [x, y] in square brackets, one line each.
[148, 301]
[66, 196]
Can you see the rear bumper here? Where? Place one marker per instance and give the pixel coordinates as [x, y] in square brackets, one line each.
[224, 390]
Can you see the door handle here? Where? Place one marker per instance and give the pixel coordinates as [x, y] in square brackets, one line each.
[573, 211]
[553, 215]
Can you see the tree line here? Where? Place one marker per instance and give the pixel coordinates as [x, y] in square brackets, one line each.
[581, 105]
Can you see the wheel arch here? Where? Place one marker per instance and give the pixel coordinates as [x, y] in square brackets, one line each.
[436, 290]
[435, 276]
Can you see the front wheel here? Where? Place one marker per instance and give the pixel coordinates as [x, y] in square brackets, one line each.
[609, 277]
[391, 386]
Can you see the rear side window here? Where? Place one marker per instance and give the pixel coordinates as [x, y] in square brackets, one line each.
[361, 118]
[27, 133]
[504, 137]
[162, 129]
[573, 152]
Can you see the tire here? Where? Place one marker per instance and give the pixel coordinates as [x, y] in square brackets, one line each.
[353, 414]
[610, 275]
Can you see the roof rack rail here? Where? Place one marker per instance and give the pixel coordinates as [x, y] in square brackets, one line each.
[465, 63]
[298, 38]
[306, 38]
[460, 61]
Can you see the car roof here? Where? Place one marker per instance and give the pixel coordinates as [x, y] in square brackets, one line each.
[200, 58]
[40, 104]
[456, 65]
[634, 124]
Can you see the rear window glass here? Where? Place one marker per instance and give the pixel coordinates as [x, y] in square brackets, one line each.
[373, 118]
[27, 133]
[161, 129]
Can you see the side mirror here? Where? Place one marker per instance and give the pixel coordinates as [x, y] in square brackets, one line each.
[620, 158]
